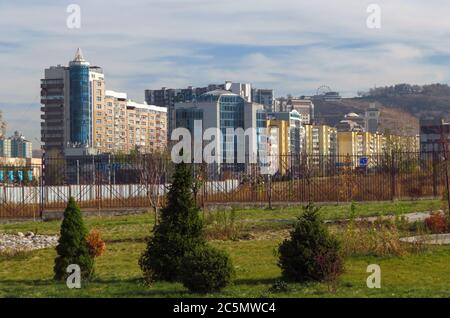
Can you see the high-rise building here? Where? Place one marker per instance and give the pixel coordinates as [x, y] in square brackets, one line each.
[79, 118]
[168, 97]
[20, 147]
[264, 97]
[54, 97]
[225, 111]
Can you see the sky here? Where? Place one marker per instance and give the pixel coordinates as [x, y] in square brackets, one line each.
[292, 46]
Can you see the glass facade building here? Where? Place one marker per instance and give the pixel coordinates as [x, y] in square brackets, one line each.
[231, 117]
[226, 111]
[80, 108]
[186, 117]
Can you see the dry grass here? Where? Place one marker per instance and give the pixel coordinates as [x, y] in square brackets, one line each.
[222, 225]
[380, 238]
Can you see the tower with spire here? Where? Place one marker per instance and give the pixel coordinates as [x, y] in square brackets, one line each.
[69, 95]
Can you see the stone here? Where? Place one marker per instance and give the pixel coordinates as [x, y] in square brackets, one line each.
[26, 242]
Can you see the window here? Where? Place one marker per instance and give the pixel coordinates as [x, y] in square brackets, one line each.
[99, 106]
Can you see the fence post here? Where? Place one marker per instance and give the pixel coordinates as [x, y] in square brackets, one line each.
[269, 176]
[435, 183]
[41, 187]
[393, 176]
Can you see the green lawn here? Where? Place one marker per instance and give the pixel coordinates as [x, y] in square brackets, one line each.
[118, 273]
[342, 211]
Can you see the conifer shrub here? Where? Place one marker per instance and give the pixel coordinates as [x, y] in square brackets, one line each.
[179, 231]
[302, 256]
[72, 246]
[206, 269]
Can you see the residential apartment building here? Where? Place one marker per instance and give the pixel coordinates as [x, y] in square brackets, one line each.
[122, 125]
[296, 131]
[80, 117]
[320, 140]
[280, 144]
[360, 144]
[304, 106]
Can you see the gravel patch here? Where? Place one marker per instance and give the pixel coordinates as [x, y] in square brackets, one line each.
[434, 239]
[26, 242]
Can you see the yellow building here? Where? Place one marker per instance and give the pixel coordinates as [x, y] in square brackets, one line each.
[365, 144]
[279, 132]
[320, 140]
[350, 143]
[402, 143]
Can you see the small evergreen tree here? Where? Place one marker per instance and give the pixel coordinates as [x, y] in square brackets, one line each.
[206, 269]
[310, 251]
[179, 231]
[72, 246]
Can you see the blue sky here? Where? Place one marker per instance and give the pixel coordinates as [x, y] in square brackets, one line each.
[290, 45]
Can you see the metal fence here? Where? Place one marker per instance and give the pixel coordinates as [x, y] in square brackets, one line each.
[109, 182]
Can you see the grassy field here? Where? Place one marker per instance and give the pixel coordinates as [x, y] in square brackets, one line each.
[118, 273]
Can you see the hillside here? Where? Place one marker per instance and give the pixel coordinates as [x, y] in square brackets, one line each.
[401, 106]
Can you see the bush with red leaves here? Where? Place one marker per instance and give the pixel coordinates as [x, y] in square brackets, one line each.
[95, 243]
[437, 223]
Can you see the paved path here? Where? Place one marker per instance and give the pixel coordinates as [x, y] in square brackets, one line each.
[409, 217]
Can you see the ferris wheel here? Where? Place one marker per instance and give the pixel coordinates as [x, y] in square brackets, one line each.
[323, 90]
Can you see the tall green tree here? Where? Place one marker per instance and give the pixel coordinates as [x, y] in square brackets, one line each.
[179, 231]
[72, 246]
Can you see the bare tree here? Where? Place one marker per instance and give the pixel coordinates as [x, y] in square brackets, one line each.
[445, 150]
[153, 169]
